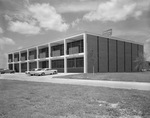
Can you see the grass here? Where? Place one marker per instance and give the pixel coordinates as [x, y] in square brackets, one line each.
[131, 77]
[44, 100]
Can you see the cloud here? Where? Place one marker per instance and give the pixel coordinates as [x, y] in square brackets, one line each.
[20, 47]
[23, 27]
[82, 6]
[35, 18]
[3, 60]
[117, 10]
[74, 23]
[47, 17]
[5, 41]
[1, 30]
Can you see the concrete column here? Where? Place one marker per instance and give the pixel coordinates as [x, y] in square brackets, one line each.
[27, 65]
[85, 52]
[65, 59]
[49, 47]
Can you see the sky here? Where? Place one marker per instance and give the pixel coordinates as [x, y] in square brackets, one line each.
[24, 23]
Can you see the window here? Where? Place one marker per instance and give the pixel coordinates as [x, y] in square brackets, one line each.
[79, 62]
[33, 54]
[75, 62]
[75, 47]
[58, 63]
[71, 63]
[57, 50]
[10, 58]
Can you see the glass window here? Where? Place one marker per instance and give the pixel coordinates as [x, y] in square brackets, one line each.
[79, 62]
[57, 63]
[71, 63]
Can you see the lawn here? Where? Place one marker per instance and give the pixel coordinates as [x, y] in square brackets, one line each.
[20, 99]
[131, 77]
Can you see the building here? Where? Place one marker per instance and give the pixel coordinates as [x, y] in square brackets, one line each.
[82, 53]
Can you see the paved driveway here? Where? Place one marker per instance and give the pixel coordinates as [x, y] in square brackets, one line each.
[98, 83]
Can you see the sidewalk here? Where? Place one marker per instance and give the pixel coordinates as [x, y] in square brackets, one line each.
[98, 83]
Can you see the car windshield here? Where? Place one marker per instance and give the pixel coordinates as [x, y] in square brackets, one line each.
[45, 69]
[39, 69]
[33, 69]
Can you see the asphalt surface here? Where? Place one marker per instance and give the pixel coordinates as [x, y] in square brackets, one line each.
[97, 83]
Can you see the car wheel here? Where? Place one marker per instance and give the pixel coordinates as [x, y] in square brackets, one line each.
[54, 72]
[42, 74]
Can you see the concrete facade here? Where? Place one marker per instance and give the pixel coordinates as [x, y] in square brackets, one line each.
[82, 53]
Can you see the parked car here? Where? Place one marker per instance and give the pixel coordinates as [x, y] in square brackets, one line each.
[32, 72]
[46, 71]
[1, 70]
[7, 71]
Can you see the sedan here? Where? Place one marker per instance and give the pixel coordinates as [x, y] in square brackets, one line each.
[33, 71]
[46, 71]
[7, 71]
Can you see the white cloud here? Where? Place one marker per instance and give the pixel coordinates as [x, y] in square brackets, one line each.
[35, 18]
[74, 23]
[76, 7]
[3, 59]
[23, 27]
[117, 10]
[47, 17]
[20, 47]
[6, 41]
[1, 30]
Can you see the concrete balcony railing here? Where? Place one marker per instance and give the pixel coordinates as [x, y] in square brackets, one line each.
[16, 59]
[73, 50]
[55, 53]
[31, 57]
[23, 58]
[42, 55]
[9, 60]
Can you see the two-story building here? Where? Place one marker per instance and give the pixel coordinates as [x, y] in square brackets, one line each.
[82, 53]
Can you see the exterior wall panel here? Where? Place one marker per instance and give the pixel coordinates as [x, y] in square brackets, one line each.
[134, 56]
[103, 55]
[112, 55]
[92, 54]
[127, 57]
[120, 56]
[140, 49]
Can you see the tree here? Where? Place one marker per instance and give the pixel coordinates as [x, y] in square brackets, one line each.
[141, 62]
